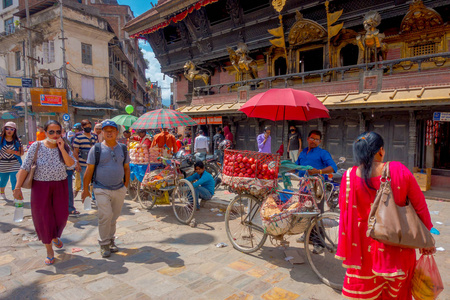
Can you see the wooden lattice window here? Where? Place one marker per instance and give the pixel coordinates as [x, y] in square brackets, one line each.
[424, 49]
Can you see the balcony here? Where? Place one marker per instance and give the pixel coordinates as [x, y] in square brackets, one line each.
[412, 72]
[115, 74]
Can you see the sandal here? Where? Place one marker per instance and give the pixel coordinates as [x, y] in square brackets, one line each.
[49, 261]
[74, 213]
[58, 245]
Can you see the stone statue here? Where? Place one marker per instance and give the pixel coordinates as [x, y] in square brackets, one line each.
[371, 47]
[191, 73]
[241, 62]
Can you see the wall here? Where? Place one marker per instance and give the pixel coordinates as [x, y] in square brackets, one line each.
[8, 13]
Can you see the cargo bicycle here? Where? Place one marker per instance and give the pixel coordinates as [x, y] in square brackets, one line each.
[247, 233]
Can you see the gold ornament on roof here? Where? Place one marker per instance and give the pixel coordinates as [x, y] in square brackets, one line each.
[278, 5]
[191, 73]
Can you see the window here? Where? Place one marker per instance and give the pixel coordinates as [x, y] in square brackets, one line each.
[424, 49]
[49, 51]
[217, 12]
[7, 3]
[249, 6]
[9, 26]
[172, 34]
[86, 54]
[349, 55]
[87, 88]
[280, 66]
[311, 60]
[18, 59]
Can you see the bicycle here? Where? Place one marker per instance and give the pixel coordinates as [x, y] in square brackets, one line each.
[246, 232]
[179, 192]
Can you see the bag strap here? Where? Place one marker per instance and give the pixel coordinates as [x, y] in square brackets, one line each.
[124, 149]
[386, 173]
[35, 153]
[98, 151]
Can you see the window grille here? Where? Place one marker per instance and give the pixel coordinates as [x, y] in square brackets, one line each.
[424, 49]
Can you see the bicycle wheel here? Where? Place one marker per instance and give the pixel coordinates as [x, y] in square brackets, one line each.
[212, 169]
[183, 201]
[146, 196]
[133, 189]
[324, 231]
[243, 224]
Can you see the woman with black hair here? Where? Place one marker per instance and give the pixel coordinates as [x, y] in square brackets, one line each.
[375, 270]
[49, 192]
[10, 152]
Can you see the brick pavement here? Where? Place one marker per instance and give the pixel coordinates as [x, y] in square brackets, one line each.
[161, 259]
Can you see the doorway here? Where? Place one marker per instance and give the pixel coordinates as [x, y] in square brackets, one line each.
[442, 146]
[311, 60]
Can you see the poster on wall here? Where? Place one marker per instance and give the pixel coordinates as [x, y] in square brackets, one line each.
[49, 100]
[200, 120]
[214, 120]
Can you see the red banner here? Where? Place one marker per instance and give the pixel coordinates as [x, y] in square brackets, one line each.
[51, 100]
[214, 120]
[200, 120]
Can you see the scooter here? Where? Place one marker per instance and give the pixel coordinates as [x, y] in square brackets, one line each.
[211, 163]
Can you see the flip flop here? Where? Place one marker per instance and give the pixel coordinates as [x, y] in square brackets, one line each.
[51, 261]
[58, 245]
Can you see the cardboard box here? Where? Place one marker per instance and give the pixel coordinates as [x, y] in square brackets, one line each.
[423, 179]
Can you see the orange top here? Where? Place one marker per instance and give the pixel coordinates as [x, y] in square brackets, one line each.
[40, 136]
[165, 138]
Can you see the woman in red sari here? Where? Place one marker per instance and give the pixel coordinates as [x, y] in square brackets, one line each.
[375, 270]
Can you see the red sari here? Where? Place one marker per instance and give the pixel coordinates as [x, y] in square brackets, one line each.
[376, 270]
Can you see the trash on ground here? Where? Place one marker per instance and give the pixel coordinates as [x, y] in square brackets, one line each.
[434, 212]
[219, 215]
[193, 223]
[75, 250]
[439, 223]
[440, 249]
[137, 210]
[293, 256]
[435, 231]
[221, 245]
[29, 237]
[215, 209]
[288, 258]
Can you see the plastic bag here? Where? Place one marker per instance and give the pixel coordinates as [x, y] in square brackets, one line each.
[427, 282]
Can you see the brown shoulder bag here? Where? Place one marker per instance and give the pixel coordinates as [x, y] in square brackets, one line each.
[396, 225]
[28, 182]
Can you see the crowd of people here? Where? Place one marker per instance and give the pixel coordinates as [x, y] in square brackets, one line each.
[97, 159]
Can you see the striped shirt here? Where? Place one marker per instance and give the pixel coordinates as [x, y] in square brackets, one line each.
[84, 144]
[8, 162]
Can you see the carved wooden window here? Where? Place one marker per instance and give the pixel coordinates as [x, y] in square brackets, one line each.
[310, 59]
[424, 49]
[217, 13]
[280, 67]
[172, 34]
[249, 6]
[349, 55]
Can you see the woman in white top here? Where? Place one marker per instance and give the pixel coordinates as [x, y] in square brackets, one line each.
[49, 192]
[10, 152]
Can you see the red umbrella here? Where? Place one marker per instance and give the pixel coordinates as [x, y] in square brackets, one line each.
[285, 104]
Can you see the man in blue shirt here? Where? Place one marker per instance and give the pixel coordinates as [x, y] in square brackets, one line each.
[322, 162]
[204, 184]
[316, 157]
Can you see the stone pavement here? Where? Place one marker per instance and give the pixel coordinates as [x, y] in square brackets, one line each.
[161, 259]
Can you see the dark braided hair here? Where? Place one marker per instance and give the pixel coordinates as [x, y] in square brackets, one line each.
[364, 149]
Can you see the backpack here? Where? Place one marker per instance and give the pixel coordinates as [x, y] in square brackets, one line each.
[98, 151]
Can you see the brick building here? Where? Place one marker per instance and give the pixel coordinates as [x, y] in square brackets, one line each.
[386, 69]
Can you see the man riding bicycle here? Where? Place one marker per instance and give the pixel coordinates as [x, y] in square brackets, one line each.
[322, 163]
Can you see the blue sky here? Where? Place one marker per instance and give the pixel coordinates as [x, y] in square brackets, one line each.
[154, 71]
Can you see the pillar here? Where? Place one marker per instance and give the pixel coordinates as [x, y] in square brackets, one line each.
[362, 123]
[412, 140]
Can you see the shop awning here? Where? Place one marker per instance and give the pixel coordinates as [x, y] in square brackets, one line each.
[390, 98]
[212, 109]
[9, 115]
[93, 107]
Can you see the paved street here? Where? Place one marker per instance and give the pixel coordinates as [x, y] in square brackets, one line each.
[161, 259]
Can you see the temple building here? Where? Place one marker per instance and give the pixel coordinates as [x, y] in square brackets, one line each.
[376, 65]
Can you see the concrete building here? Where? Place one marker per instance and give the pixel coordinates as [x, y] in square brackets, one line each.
[221, 52]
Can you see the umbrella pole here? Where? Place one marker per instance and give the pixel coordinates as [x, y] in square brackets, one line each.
[282, 132]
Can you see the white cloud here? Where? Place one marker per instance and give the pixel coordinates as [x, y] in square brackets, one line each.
[154, 73]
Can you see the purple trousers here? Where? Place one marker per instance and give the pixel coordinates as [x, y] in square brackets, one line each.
[49, 208]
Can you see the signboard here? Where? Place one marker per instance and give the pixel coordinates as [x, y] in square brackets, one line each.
[49, 100]
[27, 82]
[200, 120]
[19, 82]
[214, 120]
[441, 116]
[14, 82]
[66, 117]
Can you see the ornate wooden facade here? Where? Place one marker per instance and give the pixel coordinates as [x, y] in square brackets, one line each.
[364, 74]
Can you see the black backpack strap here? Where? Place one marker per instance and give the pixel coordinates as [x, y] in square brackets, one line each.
[124, 149]
[98, 151]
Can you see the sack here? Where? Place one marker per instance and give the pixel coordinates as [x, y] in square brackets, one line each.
[427, 282]
[396, 225]
[28, 182]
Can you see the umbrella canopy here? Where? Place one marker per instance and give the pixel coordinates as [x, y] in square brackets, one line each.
[163, 118]
[285, 104]
[125, 120]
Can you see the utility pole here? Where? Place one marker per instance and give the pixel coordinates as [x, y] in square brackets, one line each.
[27, 10]
[63, 48]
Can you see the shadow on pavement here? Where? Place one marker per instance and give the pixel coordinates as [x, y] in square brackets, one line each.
[30, 291]
[191, 239]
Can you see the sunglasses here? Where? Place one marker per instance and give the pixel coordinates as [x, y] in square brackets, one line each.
[314, 140]
[52, 132]
[113, 156]
[10, 129]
